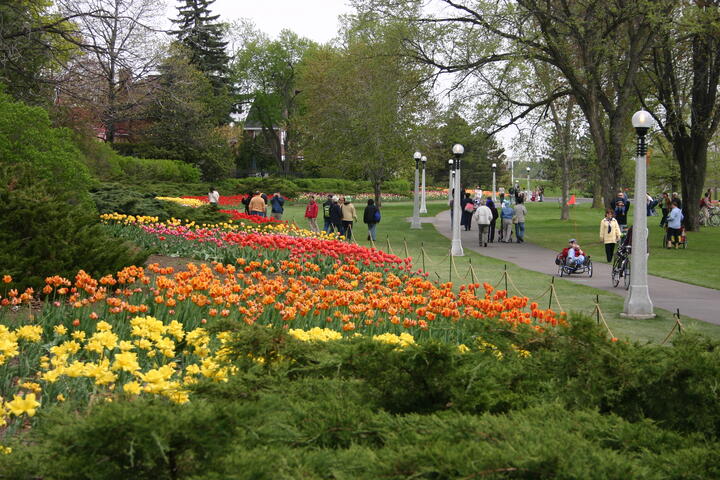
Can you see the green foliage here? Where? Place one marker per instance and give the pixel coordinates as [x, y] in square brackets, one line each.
[352, 187]
[269, 185]
[107, 165]
[579, 407]
[111, 198]
[32, 151]
[43, 234]
[185, 114]
[48, 225]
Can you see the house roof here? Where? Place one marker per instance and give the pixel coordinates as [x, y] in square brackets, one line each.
[252, 121]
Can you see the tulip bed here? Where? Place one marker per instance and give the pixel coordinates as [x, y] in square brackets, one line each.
[228, 241]
[144, 332]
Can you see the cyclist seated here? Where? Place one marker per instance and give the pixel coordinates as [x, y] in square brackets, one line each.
[573, 254]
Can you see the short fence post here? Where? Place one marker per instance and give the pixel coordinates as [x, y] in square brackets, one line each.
[552, 290]
[505, 274]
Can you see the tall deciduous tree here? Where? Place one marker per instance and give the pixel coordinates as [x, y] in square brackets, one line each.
[34, 42]
[184, 114]
[684, 74]
[595, 45]
[265, 72]
[119, 51]
[202, 35]
[361, 104]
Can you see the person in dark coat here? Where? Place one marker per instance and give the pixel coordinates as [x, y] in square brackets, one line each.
[326, 213]
[466, 219]
[370, 218]
[491, 205]
[335, 216]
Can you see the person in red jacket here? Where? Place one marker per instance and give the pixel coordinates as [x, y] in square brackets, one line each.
[311, 213]
[573, 254]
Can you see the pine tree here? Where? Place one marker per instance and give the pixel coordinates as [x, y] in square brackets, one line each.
[202, 36]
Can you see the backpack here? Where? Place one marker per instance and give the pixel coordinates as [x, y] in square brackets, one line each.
[377, 217]
[326, 210]
[469, 207]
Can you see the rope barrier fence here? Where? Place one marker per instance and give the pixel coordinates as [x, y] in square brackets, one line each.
[507, 280]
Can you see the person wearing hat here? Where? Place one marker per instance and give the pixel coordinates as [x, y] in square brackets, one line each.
[348, 216]
[335, 215]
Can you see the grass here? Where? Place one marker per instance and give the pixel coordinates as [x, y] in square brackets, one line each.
[572, 297]
[699, 264]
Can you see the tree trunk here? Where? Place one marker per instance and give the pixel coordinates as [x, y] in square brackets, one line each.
[607, 166]
[691, 154]
[565, 212]
[376, 189]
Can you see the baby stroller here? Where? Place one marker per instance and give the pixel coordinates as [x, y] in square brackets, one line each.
[565, 268]
[682, 239]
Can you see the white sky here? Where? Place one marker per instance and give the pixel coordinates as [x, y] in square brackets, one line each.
[314, 19]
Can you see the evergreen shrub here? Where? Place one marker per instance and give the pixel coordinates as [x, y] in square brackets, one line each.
[118, 198]
[48, 223]
[108, 165]
[346, 410]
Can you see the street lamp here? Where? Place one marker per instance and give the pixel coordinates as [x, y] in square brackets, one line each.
[528, 174]
[637, 302]
[452, 180]
[494, 166]
[423, 206]
[456, 249]
[415, 223]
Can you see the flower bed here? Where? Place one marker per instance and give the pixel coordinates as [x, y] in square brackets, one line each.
[142, 331]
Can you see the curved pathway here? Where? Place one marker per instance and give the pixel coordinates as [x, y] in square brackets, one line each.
[693, 301]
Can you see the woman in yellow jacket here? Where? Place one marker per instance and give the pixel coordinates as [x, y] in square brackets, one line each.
[348, 216]
[609, 233]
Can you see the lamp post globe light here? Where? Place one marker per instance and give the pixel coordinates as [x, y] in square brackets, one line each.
[456, 249]
[423, 206]
[637, 302]
[528, 174]
[451, 164]
[494, 166]
[415, 222]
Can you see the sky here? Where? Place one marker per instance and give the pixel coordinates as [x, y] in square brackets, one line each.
[314, 19]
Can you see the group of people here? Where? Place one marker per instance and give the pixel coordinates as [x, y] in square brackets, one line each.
[339, 215]
[485, 214]
[256, 203]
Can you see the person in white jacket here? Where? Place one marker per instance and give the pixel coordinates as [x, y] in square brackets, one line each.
[483, 217]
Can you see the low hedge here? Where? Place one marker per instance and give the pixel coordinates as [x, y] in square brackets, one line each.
[580, 406]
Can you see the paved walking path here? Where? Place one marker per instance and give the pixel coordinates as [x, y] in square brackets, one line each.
[693, 301]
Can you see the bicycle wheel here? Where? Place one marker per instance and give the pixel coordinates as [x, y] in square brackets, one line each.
[615, 272]
[626, 274]
[714, 220]
[589, 268]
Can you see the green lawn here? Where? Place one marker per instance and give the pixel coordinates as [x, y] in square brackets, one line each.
[573, 297]
[699, 264]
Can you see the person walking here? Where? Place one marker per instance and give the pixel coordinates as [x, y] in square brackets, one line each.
[506, 214]
[326, 213]
[311, 213]
[674, 223]
[468, 207]
[676, 197]
[246, 202]
[371, 217]
[257, 205]
[620, 211]
[276, 206]
[483, 217]
[665, 207]
[213, 198]
[348, 216]
[491, 205]
[609, 233]
[335, 215]
[519, 219]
